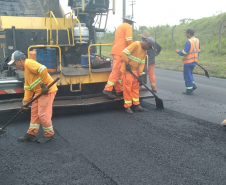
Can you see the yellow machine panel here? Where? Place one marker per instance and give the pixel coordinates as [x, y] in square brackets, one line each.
[32, 22]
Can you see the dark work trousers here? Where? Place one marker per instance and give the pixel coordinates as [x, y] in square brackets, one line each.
[188, 76]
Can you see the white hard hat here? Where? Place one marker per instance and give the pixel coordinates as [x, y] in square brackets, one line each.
[129, 18]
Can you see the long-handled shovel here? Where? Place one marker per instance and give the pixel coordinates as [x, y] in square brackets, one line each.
[159, 102]
[2, 130]
[206, 72]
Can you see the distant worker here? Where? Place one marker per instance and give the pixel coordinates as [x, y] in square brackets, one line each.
[190, 58]
[133, 58]
[123, 38]
[151, 60]
[36, 79]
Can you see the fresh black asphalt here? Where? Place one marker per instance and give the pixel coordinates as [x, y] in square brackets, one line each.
[110, 147]
[181, 145]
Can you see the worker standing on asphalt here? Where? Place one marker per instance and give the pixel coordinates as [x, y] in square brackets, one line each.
[190, 58]
[123, 38]
[36, 79]
[151, 60]
[133, 58]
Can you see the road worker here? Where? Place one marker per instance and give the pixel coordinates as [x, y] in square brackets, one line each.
[133, 58]
[36, 79]
[123, 38]
[151, 60]
[190, 58]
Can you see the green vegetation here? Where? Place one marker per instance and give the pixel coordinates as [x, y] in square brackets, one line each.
[206, 29]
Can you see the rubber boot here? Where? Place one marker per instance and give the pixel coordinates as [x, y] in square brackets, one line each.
[128, 111]
[27, 137]
[187, 93]
[46, 139]
[194, 87]
[140, 109]
[109, 94]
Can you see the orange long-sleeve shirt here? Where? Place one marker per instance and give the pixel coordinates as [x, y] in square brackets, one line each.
[134, 55]
[123, 38]
[34, 74]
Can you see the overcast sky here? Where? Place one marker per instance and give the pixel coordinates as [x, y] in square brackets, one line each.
[152, 13]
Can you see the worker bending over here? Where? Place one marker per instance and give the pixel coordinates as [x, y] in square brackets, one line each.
[133, 58]
[190, 58]
[36, 79]
[151, 60]
[123, 38]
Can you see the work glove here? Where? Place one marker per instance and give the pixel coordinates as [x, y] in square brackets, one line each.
[45, 89]
[23, 107]
[140, 79]
[128, 67]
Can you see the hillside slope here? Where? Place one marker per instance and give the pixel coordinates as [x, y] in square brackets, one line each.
[206, 29]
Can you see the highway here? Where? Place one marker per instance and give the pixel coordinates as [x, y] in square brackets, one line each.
[182, 144]
[208, 101]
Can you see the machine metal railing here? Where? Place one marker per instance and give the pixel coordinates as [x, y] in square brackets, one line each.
[57, 25]
[72, 27]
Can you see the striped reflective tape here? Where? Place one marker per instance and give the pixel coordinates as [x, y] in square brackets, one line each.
[128, 101]
[126, 51]
[136, 59]
[111, 83]
[34, 126]
[41, 69]
[129, 38]
[189, 87]
[46, 129]
[184, 52]
[142, 61]
[135, 99]
[11, 91]
[36, 82]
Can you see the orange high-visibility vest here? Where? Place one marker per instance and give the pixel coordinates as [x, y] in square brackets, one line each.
[193, 54]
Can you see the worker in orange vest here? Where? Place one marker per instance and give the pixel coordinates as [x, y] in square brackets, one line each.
[151, 60]
[36, 79]
[190, 58]
[133, 58]
[123, 38]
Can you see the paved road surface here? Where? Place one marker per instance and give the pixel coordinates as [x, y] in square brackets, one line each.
[109, 147]
[208, 101]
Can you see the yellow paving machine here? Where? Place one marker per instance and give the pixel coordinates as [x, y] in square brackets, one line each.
[64, 42]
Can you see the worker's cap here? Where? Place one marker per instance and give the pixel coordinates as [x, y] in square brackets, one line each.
[191, 31]
[145, 34]
[151, 41]
[16, 56]
[129, 18]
